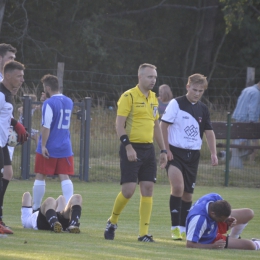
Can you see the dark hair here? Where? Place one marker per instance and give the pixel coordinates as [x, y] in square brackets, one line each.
[4, 48]
[13, 65]
[221, 208]
[50, 81]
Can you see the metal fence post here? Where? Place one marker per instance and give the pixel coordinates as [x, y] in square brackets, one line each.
[26, 147]
[86, 114]
[227, 148]
[81, 117]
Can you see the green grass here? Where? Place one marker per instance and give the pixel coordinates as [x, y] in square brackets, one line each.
[98, 199]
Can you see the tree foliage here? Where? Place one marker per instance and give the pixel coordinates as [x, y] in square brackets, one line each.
[218, 38]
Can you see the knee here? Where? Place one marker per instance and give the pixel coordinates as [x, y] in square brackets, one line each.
[27, 199]
[76, 199]
[49, 203]
[250, 213]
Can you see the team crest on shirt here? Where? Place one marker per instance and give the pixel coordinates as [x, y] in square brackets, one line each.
[155, 109]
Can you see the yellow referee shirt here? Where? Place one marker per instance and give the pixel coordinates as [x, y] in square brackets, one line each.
[141, 112]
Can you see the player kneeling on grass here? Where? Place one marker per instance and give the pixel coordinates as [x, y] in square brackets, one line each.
[209, 220]
[53, 214]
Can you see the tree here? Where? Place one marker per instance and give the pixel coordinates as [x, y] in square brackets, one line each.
[2, 9]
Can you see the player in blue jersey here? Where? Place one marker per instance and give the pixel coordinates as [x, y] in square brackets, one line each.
[54, 151]
[210, 218]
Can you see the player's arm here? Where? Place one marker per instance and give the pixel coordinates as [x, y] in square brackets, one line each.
[159, 139]
[219, 244]
[120, 130]
[211, 140]
[45, 136]
[164, 127]
[47, 115]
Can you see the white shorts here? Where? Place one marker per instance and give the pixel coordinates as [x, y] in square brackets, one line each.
[28, 218]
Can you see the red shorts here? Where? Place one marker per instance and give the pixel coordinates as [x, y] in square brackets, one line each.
[222, 231]
[53, 166]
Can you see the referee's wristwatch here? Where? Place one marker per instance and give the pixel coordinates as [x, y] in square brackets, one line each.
[164, 151]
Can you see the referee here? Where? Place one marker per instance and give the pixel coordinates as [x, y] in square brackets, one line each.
[137, 125]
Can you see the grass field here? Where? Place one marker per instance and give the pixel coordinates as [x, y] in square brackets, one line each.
[98, 199]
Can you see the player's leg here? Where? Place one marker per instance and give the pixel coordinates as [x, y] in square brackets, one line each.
[61, 203]
[66, 186]
[128, 182]
[177, 187]
[28, 219]
[65, 168]
[48, 209]
[27, 200]
[38, 190]
[146, 177]
[234, 243]
[7, 176]
[189, 172]
[145, 210]
[243, 216]
[42, 166]
[72, 212]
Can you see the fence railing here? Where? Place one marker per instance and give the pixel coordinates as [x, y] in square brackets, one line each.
[96, 145]
[80, 138]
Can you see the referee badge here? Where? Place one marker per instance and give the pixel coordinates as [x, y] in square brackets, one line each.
[155, 109]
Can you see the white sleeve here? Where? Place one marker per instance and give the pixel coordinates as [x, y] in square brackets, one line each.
[47, 117]
[171, 112]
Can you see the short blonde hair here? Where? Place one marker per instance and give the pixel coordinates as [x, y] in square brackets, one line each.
[145, 65]
[198, 79]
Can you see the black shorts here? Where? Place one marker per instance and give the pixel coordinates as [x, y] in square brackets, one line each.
[7, 160]
[187, 161]
[143, 170]
[43, 224]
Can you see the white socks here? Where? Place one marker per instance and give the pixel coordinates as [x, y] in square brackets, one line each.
[38, 193]
[257, 244]
[67, 189]
[237, 230]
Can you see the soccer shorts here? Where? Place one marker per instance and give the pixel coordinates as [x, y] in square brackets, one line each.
[53, 166]
[7, 156]
[187, 161]
[43, 224]
[142, 170]
[28, 218]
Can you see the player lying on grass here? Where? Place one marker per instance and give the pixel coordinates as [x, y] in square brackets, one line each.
[209, 220]
[53, 214]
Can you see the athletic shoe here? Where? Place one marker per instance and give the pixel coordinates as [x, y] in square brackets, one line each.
[146, 238]
[255, 239]
[73, 229]
[176, 234]
[4, 230]
[183, 235]
[3, 224]
[110, 231]
[57, 227]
